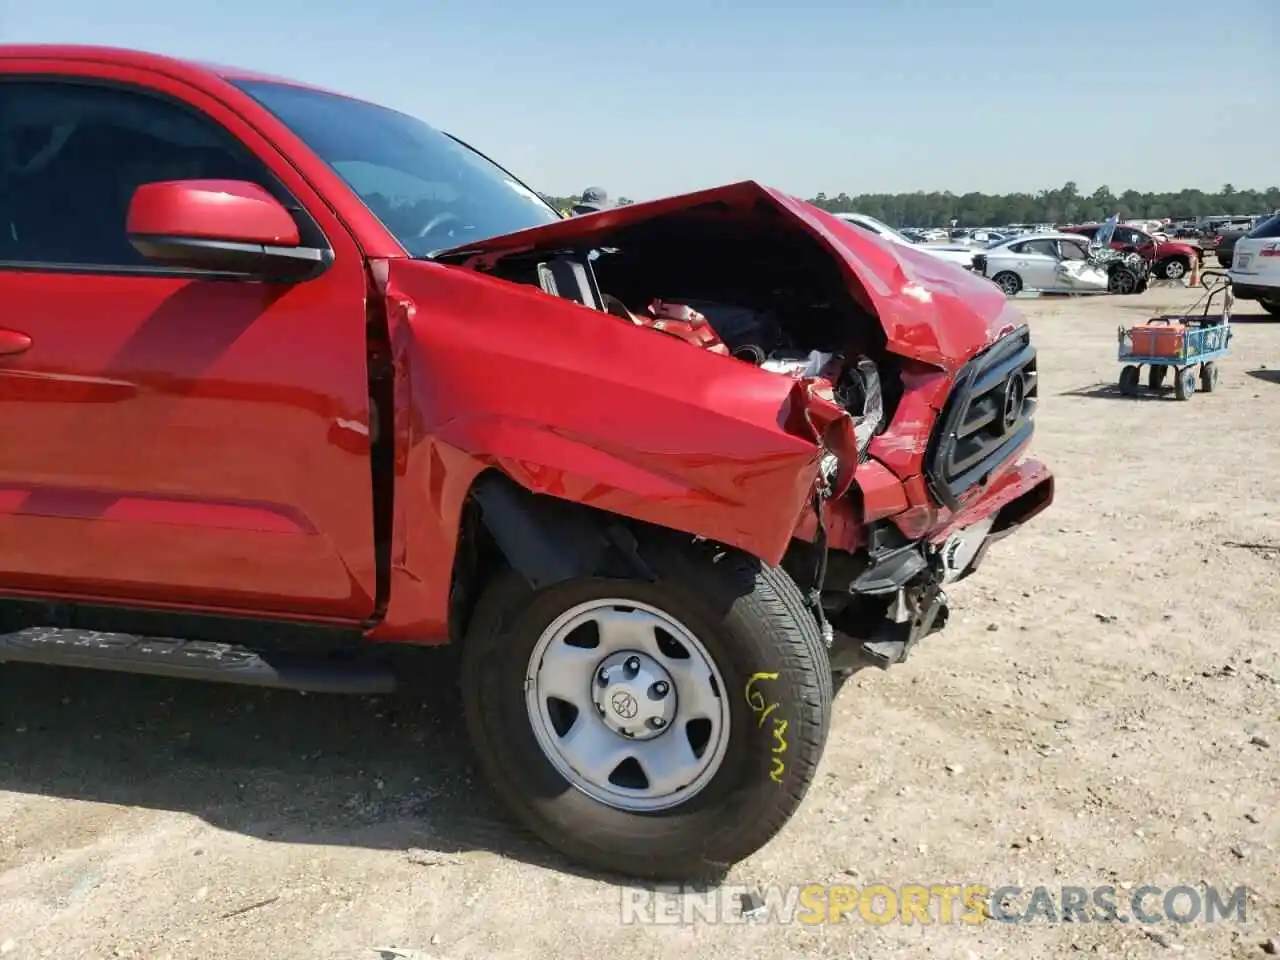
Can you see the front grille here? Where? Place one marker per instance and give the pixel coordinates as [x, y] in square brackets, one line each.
[988, 416]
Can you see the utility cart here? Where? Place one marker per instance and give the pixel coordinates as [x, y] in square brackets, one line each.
[1189, 344]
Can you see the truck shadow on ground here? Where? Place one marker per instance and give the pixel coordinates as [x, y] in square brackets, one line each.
[391, 773]
[1270, 376]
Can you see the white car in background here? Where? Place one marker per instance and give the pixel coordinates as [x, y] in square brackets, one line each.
[1255, 265]
[990, 236]
[959, 254]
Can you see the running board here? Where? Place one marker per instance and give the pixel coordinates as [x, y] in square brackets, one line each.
[192, 660]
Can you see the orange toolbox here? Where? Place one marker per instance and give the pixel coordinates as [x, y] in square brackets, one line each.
[1158, 339]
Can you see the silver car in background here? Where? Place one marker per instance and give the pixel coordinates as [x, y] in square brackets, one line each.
[1044, 263]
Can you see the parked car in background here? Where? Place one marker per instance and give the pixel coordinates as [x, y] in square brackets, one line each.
[1060, 263]
[1185, 229]
[991, 236]
[960, 255]
[1255, 269]
[1225, 247]
[1169, 259]
[1040, 264]
[1153, 227]
[1225, 225]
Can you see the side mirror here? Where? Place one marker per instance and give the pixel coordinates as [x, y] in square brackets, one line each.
[227, 226]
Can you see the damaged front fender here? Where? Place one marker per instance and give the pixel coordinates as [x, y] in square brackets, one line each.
[576, 406]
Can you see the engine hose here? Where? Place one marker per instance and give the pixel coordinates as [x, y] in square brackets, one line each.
[820, 570]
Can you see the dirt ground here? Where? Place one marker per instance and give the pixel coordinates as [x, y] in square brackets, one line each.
[1103, 709]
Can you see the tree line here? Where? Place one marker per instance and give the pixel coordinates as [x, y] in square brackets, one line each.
[1063, 205]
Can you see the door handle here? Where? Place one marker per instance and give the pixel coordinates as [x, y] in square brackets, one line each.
[12, 341]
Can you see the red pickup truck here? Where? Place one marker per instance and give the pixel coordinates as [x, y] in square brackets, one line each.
[292, 380]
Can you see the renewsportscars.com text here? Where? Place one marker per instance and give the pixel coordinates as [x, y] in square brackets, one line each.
[945, 903]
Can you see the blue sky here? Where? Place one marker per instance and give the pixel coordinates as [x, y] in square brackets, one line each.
[862, 96]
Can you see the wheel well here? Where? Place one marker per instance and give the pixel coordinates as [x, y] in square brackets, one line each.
[545, 539]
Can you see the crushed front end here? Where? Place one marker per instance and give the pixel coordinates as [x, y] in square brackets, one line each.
[886, 591]
[913, 388]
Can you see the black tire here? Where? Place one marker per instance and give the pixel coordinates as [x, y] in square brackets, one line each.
[1155, 376]
[1209, 377]
[1271, 306]
[752, 619]
[1175, 268]
[1184, 384]
[1122, 282]
[1129, 380]
[1009, 282]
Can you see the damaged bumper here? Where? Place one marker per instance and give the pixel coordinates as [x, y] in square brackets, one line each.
[913, 577]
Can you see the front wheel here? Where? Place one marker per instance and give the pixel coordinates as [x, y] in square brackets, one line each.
[1173, 269]
[1271, 306]
[663, 730]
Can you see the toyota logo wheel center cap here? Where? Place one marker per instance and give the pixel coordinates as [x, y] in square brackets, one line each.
[634, 695]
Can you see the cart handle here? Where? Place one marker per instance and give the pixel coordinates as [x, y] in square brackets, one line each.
[1219, 276]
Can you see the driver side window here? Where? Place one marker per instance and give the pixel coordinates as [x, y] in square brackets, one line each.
[72, 155]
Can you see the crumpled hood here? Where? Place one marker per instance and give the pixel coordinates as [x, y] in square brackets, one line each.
[931, 310]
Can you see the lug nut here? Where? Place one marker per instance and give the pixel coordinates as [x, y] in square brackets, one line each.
[657, 723]
[603, 677]
[633, 664]
[660, 689]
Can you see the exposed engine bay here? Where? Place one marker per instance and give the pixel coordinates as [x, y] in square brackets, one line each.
[763, 295]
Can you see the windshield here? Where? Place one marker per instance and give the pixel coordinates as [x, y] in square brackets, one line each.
[428, 189]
